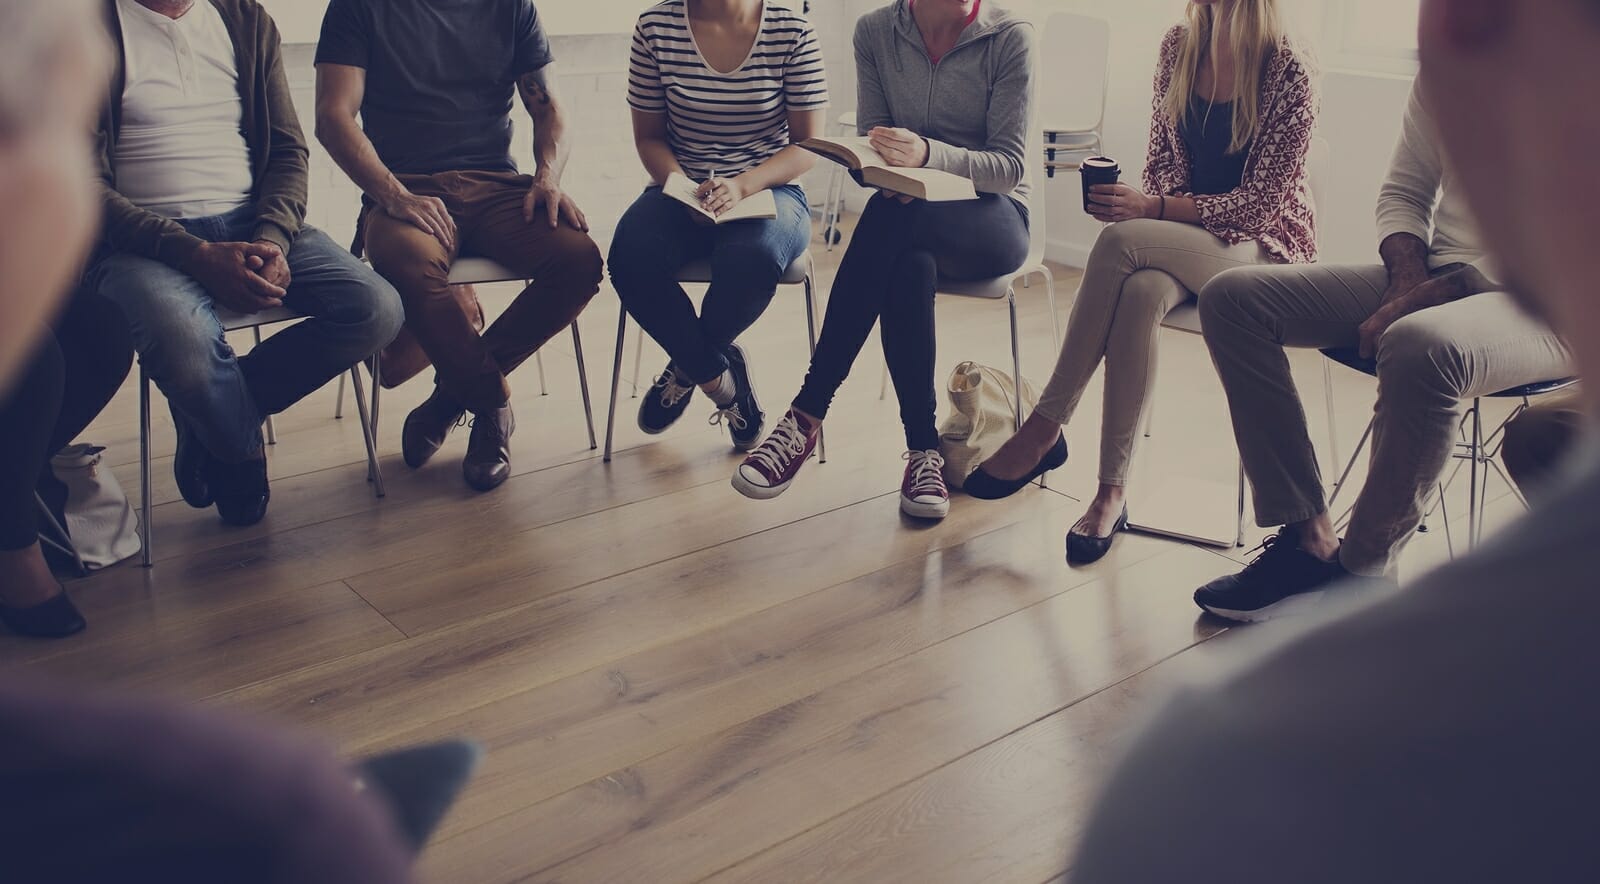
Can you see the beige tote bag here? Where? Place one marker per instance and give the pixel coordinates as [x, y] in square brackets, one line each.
[982, 418]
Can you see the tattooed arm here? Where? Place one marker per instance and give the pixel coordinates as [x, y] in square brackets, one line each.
[551, 147]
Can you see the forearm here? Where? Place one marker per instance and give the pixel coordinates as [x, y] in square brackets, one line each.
[1181, 209]
[1405, 256]
[1453, 283]
[658, 159]
[991, 171]
[353, 152]
[784, 167]
[551, 146]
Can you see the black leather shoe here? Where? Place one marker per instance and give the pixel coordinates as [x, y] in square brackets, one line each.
[242, 491]
[56, 617]
[986, 487]
[191, 466]
[488, 462]
[427, 426]
[1085, 550]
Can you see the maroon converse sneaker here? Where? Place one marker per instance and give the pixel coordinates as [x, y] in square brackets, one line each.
[923, 494]
[767, 472]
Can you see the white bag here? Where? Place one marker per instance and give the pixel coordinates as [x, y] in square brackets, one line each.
[982, 418]
[100, 520]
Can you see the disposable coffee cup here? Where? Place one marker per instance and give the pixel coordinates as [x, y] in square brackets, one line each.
[1098, 170]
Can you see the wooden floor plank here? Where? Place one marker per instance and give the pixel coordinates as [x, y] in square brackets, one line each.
[549, 739]
[367, 700]
[1011, 811]
[702, 807]
[199, 655]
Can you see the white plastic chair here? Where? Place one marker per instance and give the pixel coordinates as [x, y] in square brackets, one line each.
[1074, 76]
[239, 322]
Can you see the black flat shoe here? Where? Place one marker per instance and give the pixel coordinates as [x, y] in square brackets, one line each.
[1085, 550]
[986, 487]
[56, 617]
[242, 491]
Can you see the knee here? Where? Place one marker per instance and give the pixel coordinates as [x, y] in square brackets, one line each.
[577, 266]
[1416, 354]
[1117, 242]
[183, 361]
[916, 275]
[1221, 301]
[413, 272]
[637, 260]
[749, 263]
[383, 317]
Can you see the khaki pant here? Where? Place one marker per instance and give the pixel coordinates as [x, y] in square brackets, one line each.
[563, 263]
[1138, 271]
[1428, 363]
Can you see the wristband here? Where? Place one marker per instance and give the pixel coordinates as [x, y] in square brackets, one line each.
[1163, 215]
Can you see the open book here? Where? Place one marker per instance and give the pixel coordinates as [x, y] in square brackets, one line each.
[869, 167]
[755, 206]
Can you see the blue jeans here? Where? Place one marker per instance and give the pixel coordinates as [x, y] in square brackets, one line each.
[353, 313]
[658, 235]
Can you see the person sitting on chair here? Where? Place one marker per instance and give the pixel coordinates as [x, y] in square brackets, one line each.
[721, 92]
[977, 57]
[204, 171]
[1225, 185]
[433, 84]
[1441, 330]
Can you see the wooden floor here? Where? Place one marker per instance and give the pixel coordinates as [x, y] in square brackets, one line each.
[674, 683]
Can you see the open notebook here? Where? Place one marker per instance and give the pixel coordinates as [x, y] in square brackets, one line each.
[755, 206]
[871, 169]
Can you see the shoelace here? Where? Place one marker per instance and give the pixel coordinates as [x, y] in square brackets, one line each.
[1267, 543]
[672, 392]
[731, 415]
[926, 472]
[786, 443]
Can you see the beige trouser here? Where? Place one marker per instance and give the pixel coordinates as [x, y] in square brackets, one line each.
[1428, 363]
[1138, 271]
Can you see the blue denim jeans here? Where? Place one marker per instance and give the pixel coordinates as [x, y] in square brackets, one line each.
[353, 313]
[658, 235]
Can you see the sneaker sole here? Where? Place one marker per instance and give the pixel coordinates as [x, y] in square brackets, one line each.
[758, 492]
[1289, 607]
[924, 510]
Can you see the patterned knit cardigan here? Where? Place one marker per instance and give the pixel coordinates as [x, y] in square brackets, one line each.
[1273, 204]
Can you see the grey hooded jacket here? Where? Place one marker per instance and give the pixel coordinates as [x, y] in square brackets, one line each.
[972, 107]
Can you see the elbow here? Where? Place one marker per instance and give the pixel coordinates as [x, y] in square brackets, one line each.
[328, 124]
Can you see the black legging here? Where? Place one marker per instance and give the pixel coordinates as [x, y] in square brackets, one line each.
[76, 370]
[896, 257]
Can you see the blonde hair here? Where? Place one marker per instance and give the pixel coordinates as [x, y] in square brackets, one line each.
[1255, 28]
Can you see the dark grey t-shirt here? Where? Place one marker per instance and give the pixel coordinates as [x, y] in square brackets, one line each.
[441, 76]
[1449, 733]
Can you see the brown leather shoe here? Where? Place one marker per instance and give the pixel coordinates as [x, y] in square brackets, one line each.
[427, 426]
[488, 462]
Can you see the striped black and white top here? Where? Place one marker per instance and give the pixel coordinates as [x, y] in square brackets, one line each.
[725, 122]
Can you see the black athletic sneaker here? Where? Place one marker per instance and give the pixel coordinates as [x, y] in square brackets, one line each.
[1284, 579]
[743, 416]
[665, 401]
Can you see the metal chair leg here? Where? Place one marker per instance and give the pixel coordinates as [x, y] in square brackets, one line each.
[638, 354]
[1333, 420]
[146, 509]
[376, 368]
[65, 544]
[1474, 505]
[811, 338]
[374, 471]
[616, 380]
[538, 361]
[1016, 357]
[1050, 298]
[338, 402]
[1239, 541]
[583, 385]
[272, 431]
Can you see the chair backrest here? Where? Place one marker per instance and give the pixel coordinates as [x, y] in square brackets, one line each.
[1075, 51]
